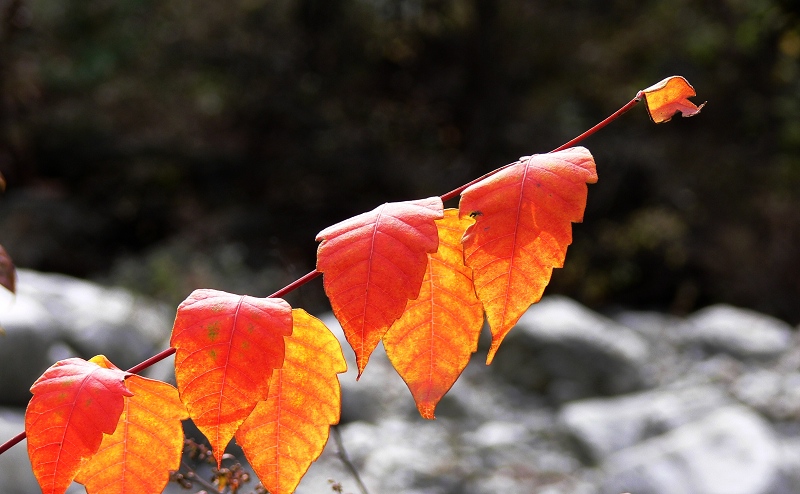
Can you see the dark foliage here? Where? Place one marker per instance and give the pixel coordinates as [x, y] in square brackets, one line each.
[170, 145]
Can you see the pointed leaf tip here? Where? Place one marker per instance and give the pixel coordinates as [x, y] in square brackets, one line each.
[288, 431]
[226, 348]
[145, 446]
[523, 226]
[431, 343]
[373, 264]
[668, 97]
[74, 403]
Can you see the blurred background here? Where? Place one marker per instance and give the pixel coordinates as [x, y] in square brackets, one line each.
[169, 145]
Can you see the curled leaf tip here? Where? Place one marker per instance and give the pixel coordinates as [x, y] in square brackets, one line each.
[668, 97]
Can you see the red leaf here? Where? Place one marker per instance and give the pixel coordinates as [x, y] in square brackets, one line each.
[74, 403]
[523, 227]
[431, 343]
[374, 264]
[146, 445]
[288, 431]
[668, 97]
[226, 348]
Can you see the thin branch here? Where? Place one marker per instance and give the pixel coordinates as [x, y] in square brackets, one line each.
[630, 104]
[191, 475]
[296, 284]
[314, 274]
[342, 454]
[11, 442]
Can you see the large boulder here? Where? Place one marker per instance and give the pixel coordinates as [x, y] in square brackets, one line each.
[742, 333]
[730, 451]
[570, 352]
[54, 316]
[604, 426]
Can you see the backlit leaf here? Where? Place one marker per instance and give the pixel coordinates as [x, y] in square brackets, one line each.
[523, 225]
[431, 343]
[288, 431]
[74, 403]
[668, 97]
[8, 273]
[146, 445]
[374, 264]
[226, 348]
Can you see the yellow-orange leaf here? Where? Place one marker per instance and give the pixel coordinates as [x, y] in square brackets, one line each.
[146, 445]
[523, 225]
[374, 264]
[431, 343]
[288, 431]
[226, 348]
[668, 97]
[74, 403]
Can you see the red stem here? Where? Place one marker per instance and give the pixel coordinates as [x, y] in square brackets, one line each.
[314, 274]
[11, 442]
[152, 360]
[630, 104]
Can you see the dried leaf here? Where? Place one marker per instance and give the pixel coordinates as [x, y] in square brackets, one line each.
[8, 273]
[668, 97]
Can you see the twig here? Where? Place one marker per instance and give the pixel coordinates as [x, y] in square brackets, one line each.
[342, 454]
[191, 475]
[314, 274]
[630, 104]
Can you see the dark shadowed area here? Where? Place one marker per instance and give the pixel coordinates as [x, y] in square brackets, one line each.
[169, 145]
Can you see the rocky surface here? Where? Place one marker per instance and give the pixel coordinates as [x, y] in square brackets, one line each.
[575, 403]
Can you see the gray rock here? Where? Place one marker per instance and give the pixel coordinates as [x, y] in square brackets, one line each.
[731, 451]
[566, 350]
[603, 426]
[54, 317]
[774, 394]
[739, 332]
[380, 393]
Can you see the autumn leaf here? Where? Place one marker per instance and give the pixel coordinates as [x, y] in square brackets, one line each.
[523, 216]
[8, 273]
[431, 343]
[146, 445]
[74, 403]
[668, 97]
[373, 265]
[288, 431]
[226, 348]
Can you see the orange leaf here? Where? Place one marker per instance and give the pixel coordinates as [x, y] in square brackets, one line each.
[668, 97]
[288, 431]
[431, 343]
[226, 347]
[146, 445]
[523, 227]
[374, 264]
[74, 403]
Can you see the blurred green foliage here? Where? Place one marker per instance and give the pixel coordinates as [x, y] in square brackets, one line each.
[135, 132]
